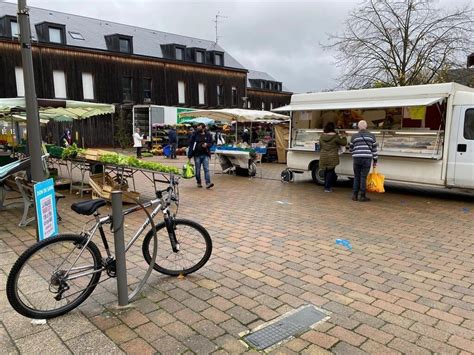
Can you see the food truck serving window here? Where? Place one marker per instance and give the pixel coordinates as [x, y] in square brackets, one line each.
[469, 125]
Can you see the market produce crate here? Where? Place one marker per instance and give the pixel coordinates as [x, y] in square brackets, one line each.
[102, 187]
[94, 154]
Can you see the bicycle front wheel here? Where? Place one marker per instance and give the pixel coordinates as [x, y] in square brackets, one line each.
[54, 276]
[195, 248]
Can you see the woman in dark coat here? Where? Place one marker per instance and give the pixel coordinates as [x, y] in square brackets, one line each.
[329, 143]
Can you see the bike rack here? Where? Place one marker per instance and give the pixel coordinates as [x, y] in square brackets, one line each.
[120, 259]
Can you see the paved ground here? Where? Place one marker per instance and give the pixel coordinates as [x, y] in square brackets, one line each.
[406, 287]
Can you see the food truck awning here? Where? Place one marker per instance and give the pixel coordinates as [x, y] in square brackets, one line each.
[367, 104]
[58, 110]
[237, 114]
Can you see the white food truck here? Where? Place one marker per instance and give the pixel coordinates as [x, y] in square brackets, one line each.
[425, 133]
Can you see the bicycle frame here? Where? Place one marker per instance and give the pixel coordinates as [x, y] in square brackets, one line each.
[100, 221]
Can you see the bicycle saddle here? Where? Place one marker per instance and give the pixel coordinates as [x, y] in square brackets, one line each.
[88, 207]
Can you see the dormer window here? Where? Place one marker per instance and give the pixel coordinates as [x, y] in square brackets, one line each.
[119, 43]
[199, 57]
[124, 45]
[179, 53]
[55, 35]
[51, 32]
[15, 32]
[218, 59]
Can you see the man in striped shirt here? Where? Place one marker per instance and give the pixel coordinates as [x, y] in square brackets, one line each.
[363, 147]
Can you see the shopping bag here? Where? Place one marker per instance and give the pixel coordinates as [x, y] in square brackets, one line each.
[375, 182]
[188, 171]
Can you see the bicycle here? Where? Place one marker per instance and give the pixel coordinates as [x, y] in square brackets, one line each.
[57, 274]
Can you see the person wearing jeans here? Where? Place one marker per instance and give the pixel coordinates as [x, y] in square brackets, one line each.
[363, 147]
[200, 148]
[202, 160]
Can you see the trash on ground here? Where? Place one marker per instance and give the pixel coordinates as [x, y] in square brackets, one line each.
[345, 243]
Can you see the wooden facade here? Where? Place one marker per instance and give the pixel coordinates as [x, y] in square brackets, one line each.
[270, 99]
[108, 69]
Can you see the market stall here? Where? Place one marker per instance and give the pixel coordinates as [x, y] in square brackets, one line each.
[13, 116]
[239, 157]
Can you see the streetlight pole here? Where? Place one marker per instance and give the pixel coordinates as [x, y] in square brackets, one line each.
[32, 123]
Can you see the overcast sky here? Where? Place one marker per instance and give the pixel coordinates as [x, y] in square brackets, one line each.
[281, 38]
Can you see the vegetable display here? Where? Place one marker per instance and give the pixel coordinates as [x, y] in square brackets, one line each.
[119, 159]
[71, 151]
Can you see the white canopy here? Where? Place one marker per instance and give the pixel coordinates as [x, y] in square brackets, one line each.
[404, 96]
[237, 114]
[59, 110]
[342, 105]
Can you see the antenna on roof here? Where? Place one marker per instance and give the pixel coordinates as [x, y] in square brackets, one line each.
[216, 22]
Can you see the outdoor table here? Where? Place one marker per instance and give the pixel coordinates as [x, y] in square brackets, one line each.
[119, 172]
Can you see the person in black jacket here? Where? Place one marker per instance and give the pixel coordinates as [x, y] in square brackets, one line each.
[173, 141]
[200, 148]
[246, 136]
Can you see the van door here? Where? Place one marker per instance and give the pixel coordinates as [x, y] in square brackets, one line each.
[464, 167]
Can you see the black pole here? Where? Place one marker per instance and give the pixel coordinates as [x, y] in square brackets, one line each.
[32, 123]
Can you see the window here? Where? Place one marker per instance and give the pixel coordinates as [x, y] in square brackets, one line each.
[263, 105]
[469, 125]
[199, 57]
[269, 85]
[262, 85]
[201, 93]
[181, 92]
[124, 45]
[234, 96]
[220, 95]
[76, 35]
[127, 88]
[87, 86]
[147, 88]
[180, 53]
[59, 82]
[14, 28]
[218, 59]
[20, 84]
[55, 35]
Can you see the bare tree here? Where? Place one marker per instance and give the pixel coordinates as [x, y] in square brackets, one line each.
[401, 42]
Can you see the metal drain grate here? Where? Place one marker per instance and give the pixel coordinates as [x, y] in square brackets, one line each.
[286, 326]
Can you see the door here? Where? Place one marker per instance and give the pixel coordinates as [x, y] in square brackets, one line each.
[464, 167]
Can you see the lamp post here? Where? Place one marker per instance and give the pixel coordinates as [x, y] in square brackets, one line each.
[32, 123]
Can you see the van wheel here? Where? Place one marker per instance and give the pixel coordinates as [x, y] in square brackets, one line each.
[317, 174]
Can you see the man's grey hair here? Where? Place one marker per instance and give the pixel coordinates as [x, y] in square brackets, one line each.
[362, 124]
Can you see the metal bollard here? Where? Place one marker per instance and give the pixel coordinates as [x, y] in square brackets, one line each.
[121, 267]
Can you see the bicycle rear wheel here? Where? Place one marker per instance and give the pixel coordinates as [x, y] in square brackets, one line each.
[54, 276]
[195, 248]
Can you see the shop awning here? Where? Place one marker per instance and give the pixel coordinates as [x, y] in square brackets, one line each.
[58, 110]
[360, 104]
[237, 114]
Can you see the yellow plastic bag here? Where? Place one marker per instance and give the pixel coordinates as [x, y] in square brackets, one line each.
[375, 182]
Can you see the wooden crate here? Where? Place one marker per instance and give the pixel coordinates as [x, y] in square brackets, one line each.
[103, 186]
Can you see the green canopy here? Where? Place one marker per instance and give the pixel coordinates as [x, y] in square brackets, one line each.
[57, 110]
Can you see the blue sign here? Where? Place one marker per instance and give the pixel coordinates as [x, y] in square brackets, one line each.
[46, 215]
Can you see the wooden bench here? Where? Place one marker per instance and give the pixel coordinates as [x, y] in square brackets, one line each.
[25, 189]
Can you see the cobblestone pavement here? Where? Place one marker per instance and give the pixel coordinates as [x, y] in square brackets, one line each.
[407, 286]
